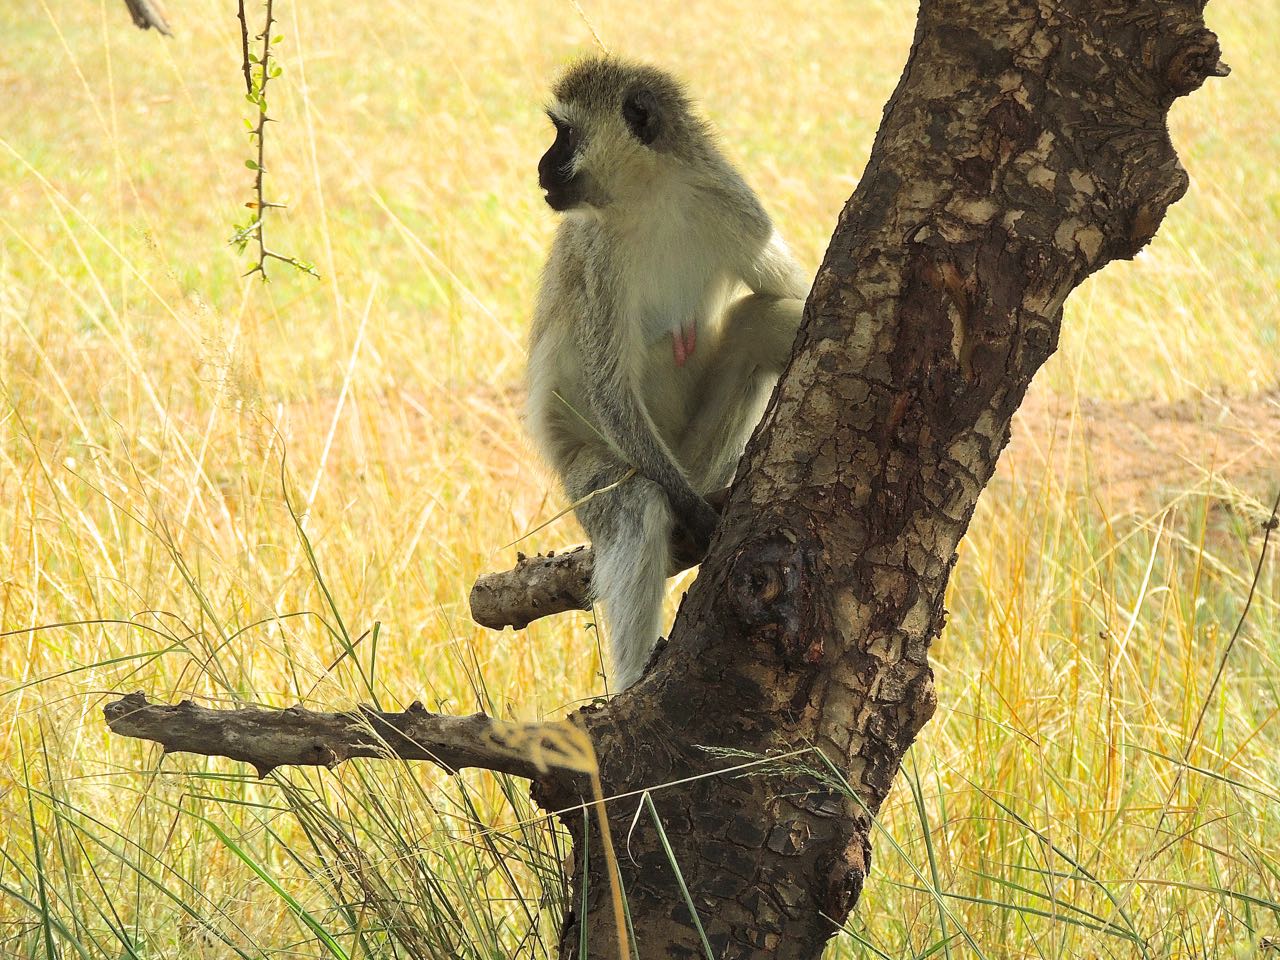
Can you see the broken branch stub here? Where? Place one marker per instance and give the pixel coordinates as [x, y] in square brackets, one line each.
[535, 587]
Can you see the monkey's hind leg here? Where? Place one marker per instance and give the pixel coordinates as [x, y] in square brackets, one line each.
[755, 345]
[630, 529]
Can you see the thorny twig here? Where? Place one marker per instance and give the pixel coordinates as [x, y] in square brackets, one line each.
[244, 49]
[256, 93]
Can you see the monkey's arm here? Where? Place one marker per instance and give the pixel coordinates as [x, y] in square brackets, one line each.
[772, 271]
[613, 396]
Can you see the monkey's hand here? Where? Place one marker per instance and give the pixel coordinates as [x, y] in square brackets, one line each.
[684, 341]
[697, 521]
[684, 552]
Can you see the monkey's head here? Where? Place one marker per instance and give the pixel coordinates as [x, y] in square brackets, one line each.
[620, 128]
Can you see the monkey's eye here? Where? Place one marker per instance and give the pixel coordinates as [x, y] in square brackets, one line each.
[566, 133]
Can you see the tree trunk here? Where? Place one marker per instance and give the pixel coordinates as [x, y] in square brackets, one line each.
[1025, 147]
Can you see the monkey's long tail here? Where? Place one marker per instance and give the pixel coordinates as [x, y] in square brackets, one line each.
[630, 576]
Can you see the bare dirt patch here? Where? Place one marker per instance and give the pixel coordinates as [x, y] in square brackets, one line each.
[1136, 453]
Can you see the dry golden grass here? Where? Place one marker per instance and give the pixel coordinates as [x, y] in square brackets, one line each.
[155, 410]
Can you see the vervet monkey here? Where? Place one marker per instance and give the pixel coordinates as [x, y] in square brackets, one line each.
[649, 363]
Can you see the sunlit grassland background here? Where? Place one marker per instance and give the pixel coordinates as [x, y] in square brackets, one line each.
[212, 488]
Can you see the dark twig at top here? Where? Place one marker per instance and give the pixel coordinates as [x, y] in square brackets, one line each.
[146, 15]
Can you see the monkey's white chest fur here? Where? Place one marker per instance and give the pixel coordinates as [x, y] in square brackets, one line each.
[673, 278]
[673, 290]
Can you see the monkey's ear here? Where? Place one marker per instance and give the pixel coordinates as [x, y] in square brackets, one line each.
[640, 110]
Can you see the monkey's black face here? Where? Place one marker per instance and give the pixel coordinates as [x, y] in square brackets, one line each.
[555, 169]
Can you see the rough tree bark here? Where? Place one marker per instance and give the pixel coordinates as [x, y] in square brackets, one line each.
[1025, 147]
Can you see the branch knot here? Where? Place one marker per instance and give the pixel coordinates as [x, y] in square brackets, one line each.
[1197, 59]
[775, 593]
